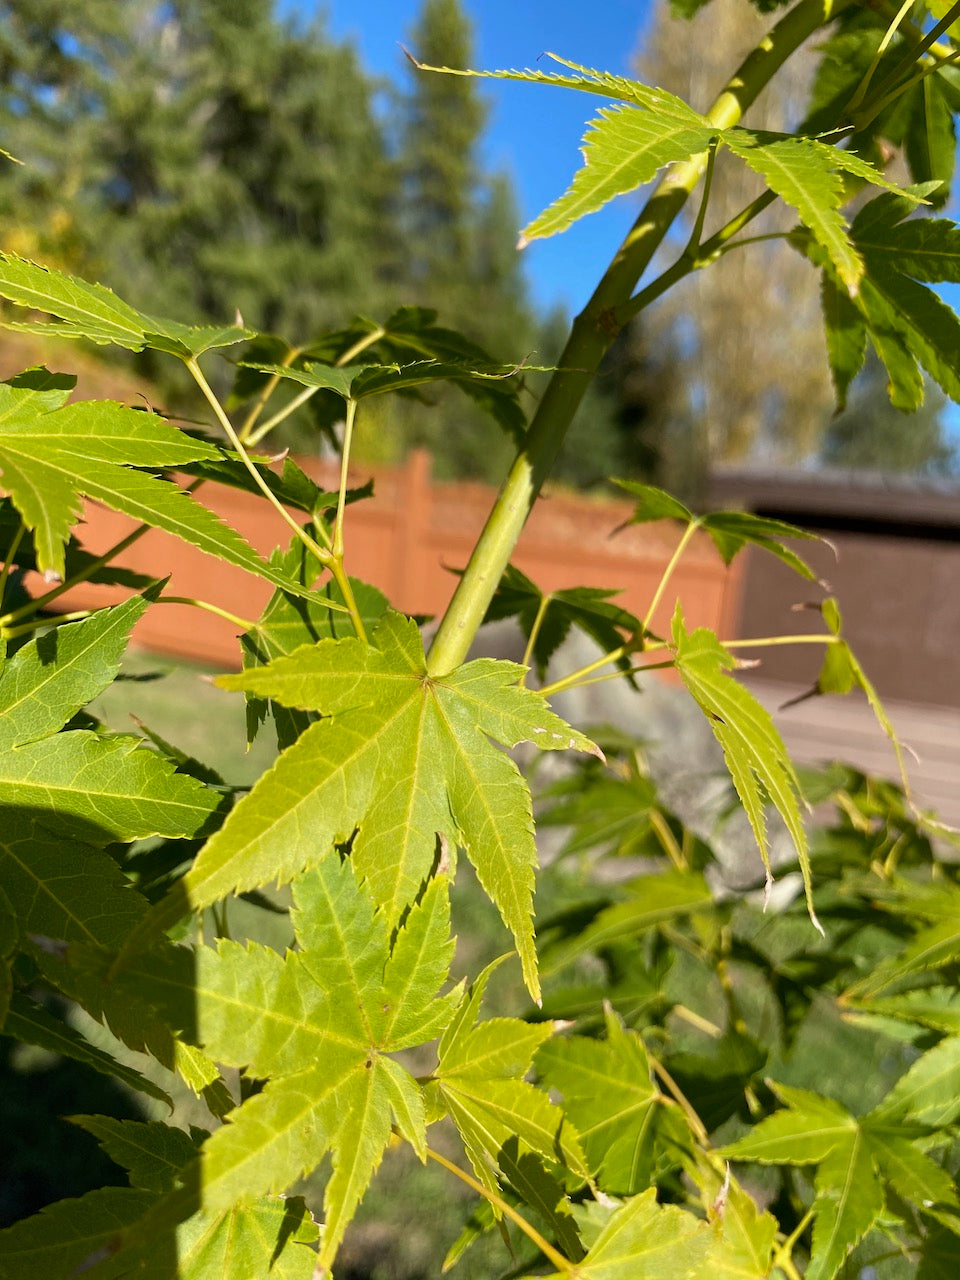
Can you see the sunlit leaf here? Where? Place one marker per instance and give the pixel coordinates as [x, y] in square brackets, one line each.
[608, 1093]
[94, 312]
[319, 1022]
[623, 149]
[444, 778]
[645, 1241]
[53, 453]
[753, 749]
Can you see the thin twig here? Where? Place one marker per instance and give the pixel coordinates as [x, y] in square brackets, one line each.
[545, 1247]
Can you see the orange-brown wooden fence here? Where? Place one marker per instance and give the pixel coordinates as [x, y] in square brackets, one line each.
[405, 540]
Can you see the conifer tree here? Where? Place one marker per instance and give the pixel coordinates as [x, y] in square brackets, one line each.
[461, 224]
[443, 124]
[461, 228]
[220, 158]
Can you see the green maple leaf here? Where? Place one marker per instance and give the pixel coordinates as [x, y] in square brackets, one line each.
[929, 1092]
[624, 148]
[78, 786]
[743, 1235]
[752, 747]
[94, 312]
[846, 336]
[909, 325]
[319, 1024]
[152, 1153]
[290, 621]
[266, 1237]
[729, 531]
[74, 1236]
[52, 454]
[654, 900]
[804, 173]
[936, 1007]
[643, 1240]
[16, 545]
[856, 1156]
[399, 762]
[553, 613]
[491, 386]
[77, 783]
[63, 795]
[609, 1095]
[33, 1024]
[479, 1083]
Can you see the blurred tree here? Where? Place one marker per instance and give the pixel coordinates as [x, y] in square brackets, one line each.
[56, 61]
[223, 159]
[871, 434]
[443, 122]
[460, 235]
[250, 171]
[753, 376]
[219, 159]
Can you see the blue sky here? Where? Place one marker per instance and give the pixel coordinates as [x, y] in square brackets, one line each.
[534, 132]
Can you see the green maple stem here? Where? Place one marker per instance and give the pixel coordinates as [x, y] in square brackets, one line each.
[584, 675]
[693, 244]
[782, 1258]
[546, 1248]
[310, 543]
[11, 556]
[681, 1099]
[909, 28]
[336, 551]
[243, 623]
[592, 333]
[579, 676]
[740, 244]
[542, 608]
[573, 681]
[695, 1020]
[667, 574]
[867, 115]
[861, 90]
[342, 580]
[769, 642]
[927, 41]
[360, 346]
[344, 466]
[667, 840]
[252, 437]
[84, 574]
[250, 421]
[11, 633]
[694, 258]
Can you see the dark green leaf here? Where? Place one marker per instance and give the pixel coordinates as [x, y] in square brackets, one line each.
[31, 1023]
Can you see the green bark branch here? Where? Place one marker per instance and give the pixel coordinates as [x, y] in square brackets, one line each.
[592, 333]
